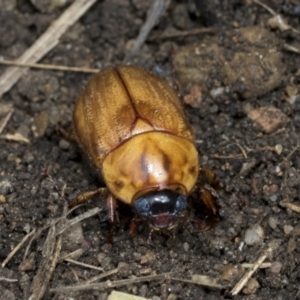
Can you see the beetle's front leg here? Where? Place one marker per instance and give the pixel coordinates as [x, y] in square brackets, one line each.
[81, 198]
[210, 209]
[210, 177]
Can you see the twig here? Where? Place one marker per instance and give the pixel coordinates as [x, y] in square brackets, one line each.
[51, 251]
[6, 118]
[13, 252]
[103, 275]
[262, 266]
[178, 34]
[45, 43]
[248, 274]
[291, 48]
[75, 253]
[246, 168]
[279, 18]
[241, 148]
[109, 284]
[201, 280]
[8, 279]
[82, 264]
[232, 156]
[290, 206]
[266, 7]
[156, 10]
[48, 67]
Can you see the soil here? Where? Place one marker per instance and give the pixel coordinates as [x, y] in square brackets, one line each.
[258, 167]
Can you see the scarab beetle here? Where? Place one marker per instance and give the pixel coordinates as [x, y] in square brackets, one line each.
[132, 126]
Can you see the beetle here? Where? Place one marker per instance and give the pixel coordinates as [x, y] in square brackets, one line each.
[132, 126]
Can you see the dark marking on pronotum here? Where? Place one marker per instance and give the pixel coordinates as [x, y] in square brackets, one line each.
[166, 162]
[193, 170]
[119, 185]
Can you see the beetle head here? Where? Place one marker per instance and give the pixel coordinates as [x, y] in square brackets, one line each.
[161, 208]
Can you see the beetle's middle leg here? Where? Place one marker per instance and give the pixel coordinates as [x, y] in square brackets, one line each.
[81, 198]
[111, 206]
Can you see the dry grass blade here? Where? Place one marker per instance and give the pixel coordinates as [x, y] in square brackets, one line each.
[109, 284]
[101, 276]
[13, 252]
[16, 137]
[71, 222]
[46, 42]
[51, 251]
[76, 253]
[48, 67]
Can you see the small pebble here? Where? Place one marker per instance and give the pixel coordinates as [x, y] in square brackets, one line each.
[251, 287]
[254, 235]
[186, 247]
[41, 122]
[278, 149]
[275, 243]
[2, 199]
[288, 229]
[145, 271]
[273, 222]
[269, 118]
[143, 291]
[172, 297]
[73, 236]
[291, 246]
[229, 273]
[148, 257]
[6, 186]
[276, 267]
[64, 145]
[273, 198]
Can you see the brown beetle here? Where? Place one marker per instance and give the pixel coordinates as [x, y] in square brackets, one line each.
[133, 128]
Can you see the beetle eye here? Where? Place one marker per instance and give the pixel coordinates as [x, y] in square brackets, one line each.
[142, 206]
[181, 203]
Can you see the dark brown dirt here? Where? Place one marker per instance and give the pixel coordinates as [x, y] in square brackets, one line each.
[253, 185]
